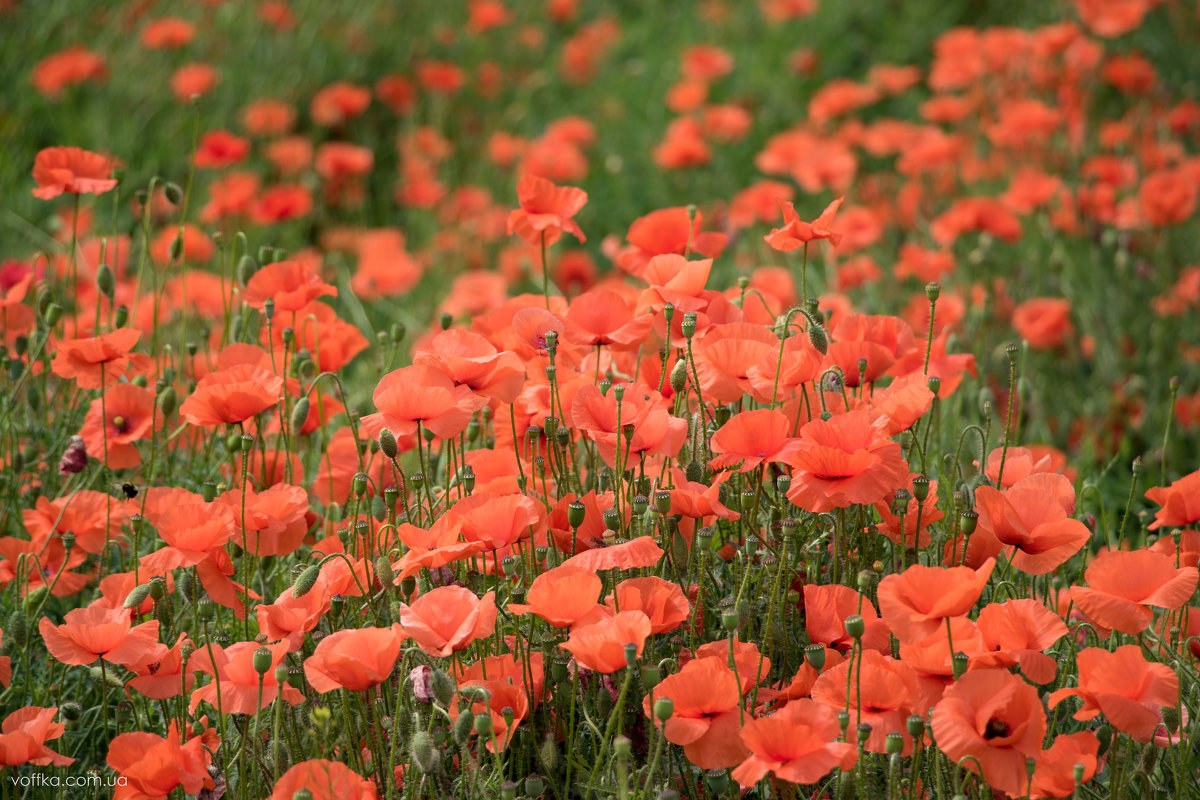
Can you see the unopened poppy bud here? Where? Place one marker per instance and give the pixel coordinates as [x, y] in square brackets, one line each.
[933, 290]
[262, 660]
[408, 585]
[856, 626]
[246, 267]
[1170, 717]
[622, 747]
[967, 521]
[612, 519]
[688, 326]
[105, 281]
[299, 414]
[137, 596]
[818, 338]
[864, 581]
[52, 315]
[483, 725]
[916, 726]
[158, 588]
[71, 711]
[173, 193]
[306, 580]
[893, 744]
[177, 247]
[397, 331]
[421, 749]
[679, 376]
[121, 316]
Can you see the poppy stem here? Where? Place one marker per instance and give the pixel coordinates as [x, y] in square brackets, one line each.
[545, 273]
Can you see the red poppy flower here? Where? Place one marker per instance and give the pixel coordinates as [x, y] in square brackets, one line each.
[726, 355]
[233, 668]
[1129, 690]
[752, 438]
[1180, 502]
[1054, 775]
[995, 717]
[706, 719]
[656, 430]
[564, 597]
[94, 517]
[68, 67]
[499, 521]
[23, 738]
[324, 780]
[879, 340]
[292, 285]
[603, 317]
[231, 395]
[124, 416]
[796, 233]
[1043, 322]
[910, 528]
[168, 677]
[354, 659]
[546, 211]
[798, 744]
[916, 603]
[421, 395]
[504, 698]
[668, 231]
[96, 632]
[1018, 632]
[448, 619]
[153, 767]
[1123, 586]
[641, 551]
[193, 80]
[825, 612]
[600, 646]
[662, 601]
[100, 361]
[845, 460]
[275, 520]
[1033, 518]
[339, 102]
[879, 690]
[167, 33]
[71, 170]
[470, 360]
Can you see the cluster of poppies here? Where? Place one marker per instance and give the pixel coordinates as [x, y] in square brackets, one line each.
[702, 525]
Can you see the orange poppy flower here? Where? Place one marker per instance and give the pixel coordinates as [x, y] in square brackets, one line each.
[324, 780]
[752, 438]
[603, 317]
[662, 601]
[1180, 502]
[890, 693]
[165, 678]
[291, 284]
[1033, 518]
[668, 231]
[879, 340]
[470, 360]
[1018, 632]
[94, 517]
[1122, 586]
[915, 603]
[100, 361]
[1043, 322]
[600, 646]
[499, 521]
[422, 395]
[167, 33]
[449, 618]
[1112, 18]
[290, 618]
[546, 211]
[123, 417]
[995, 717]
[640, 551]
[282, 202]
[5, 666]
[796, 233]
[503, 696]
[825, 611]
[914, 514]
[845, 460]
[1129, 690]
[231, 396]
[71, 170]
[275, 521]
[96, 632]
[564, 596]
[23, 738]
[1054, 775]
[706, 718]
[726, 355]
[233, 668]
[153, 767]
[68, 67]
[655, 430]
[191, 528]
[798, 744]
[193, 80]
[354, 659]
[338, 102]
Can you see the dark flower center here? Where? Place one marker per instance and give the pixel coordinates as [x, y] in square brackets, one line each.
[996, 729]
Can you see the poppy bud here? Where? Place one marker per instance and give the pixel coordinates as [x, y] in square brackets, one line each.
[185, 585]
[262, 660]
[622, 747]
[549, 752]
[483, 725]
[71, 711]
[246, 267]
[1170, 717]
[74, 458]
[651, 675]
[157, 588]
[177, 246]
[1079, 773]
[52, 315]
[306, 581]
[421, 748]
[299, 415]
[818, 338]
[664, 708]
[105, 281]
[856, 626]
[173, 193]
[688, 326]
[508, 790]
[694, 472]
[679, 376]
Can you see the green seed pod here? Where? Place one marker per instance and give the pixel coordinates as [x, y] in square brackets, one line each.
[718, 781]
[855, 626]
[814, 654]
[262, 661]
[916, 726]
[688, 326]
[664, 709]
[535, 786]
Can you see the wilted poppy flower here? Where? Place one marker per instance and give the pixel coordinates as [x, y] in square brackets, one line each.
[448, 619]
[563, 596]
[100, 361]
[546, 211]
[153, 767]
[996, 717]
[233, 668]
[1123, 586]
[798, 744]
[23, 738]
[96, 632]
[845, 460]
[796, 233]
[916, 603]
[231, 395]
[1129, 690]
[600, 646]
[324, 780]
[1180, 502]
[71, 170]
[354, 659]
[706, 719]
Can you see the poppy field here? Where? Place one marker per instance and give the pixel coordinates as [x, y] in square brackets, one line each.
[575, 400]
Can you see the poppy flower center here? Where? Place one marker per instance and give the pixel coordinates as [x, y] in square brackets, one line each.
[120, 423]
[996, 729]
